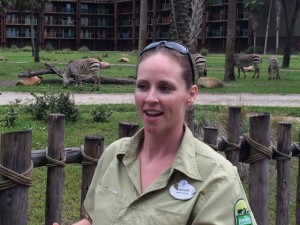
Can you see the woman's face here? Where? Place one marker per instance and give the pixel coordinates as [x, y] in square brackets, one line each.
[161, 95]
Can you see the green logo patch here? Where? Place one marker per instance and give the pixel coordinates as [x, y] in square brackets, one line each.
[241, 213]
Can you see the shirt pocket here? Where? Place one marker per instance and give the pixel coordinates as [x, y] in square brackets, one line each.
[164, 217]
[108, 204]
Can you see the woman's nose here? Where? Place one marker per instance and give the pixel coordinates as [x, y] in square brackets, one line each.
[151, 96]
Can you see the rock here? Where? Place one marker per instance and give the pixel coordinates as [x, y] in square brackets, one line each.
[105, 65]
[30, 81]
[248, 68]
[123, 59]
[2, 58]
[209, 82]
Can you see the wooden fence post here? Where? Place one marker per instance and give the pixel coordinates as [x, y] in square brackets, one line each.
[234, 123]
[259, 169]
[92, 151]
[15, 154]
[210, 136]
[284, 137]
[127, 129]
[56, 160]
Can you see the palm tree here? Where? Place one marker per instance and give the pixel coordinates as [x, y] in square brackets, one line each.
[267, 30]
[5, 4]
[254, 7]
[289, 31]
[143, 25]
[41, 4]
[278, 7]
[30, 5]
[230, 41]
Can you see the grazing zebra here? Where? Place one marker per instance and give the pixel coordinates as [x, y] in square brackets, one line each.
[273, 68]
[241, 61]
[82, 67]
[200, 65]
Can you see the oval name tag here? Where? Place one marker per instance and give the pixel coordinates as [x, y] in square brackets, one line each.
[182, 190]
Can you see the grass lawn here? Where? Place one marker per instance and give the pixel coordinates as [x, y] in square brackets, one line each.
[75, 132]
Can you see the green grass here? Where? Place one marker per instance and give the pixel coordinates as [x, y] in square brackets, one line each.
[74, 137]
[22, 61]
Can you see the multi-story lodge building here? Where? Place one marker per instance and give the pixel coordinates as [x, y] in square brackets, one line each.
[114, 25]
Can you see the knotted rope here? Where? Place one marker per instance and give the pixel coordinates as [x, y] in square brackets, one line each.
[90, 160]
[282, 156]
[15, 178]
[230, 145]
[262, 151]
[55, 162]
[298, 148]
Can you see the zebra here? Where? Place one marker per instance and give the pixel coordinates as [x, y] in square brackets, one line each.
[82, 67]
[273, 68]
[200, 65]
[241, 61]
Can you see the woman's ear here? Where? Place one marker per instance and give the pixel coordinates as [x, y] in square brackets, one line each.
[192, 95]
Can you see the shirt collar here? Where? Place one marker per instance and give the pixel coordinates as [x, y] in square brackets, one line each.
[184, 162]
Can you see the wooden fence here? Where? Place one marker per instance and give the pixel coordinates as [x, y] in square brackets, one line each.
[17, 161]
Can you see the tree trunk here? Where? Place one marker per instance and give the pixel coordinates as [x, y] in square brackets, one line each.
[143, 25]
[278, 12]
[230, 41]
[38, 32]
[267, 30]
[290, 32]
[32, 32]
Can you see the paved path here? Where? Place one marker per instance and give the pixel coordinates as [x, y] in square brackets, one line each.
[239, 99]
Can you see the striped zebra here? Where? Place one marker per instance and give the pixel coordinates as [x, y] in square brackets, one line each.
[241, 61]
[80, 68]
[273, 68]
[200, 65]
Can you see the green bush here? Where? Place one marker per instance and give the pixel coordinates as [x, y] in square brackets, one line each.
[53, 102]
[49, 47]
[101, 113]
[258, 50]
[27, 48]
[83, 49]
[204, 51]
[10, 117]
[14, 48]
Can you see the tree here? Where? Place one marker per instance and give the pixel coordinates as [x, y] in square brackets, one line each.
[31, 6]
[267, 30]
[278, 7]
[41, 4]
[143, 25]
[254, 7]
[5, 4]
[290, 26]
[230, 41]
[195, 24]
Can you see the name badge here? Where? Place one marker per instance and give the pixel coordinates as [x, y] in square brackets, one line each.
[182, 190]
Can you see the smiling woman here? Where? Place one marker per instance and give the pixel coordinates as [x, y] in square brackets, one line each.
[163, 174]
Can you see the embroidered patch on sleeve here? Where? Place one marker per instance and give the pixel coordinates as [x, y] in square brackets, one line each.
[242, 213]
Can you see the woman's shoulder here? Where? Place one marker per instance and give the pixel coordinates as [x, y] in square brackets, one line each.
[211, 160]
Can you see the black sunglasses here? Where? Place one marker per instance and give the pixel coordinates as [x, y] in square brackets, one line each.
[174, 46]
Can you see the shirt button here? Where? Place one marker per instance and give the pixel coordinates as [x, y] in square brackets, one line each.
[134, 206]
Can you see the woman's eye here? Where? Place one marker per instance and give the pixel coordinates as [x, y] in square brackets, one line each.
[142, 86]
[165, 88]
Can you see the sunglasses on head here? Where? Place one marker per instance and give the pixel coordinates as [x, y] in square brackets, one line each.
[174, 46]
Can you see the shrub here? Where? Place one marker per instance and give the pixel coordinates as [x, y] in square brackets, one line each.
[53, 102]
[49, 47]
[83, 49]
[14, 48]
[258, 50]
[101, 113]
[204, 51]
[10, 117]
[27, 48]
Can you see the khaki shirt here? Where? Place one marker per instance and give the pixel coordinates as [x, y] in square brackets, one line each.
[115, 197]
